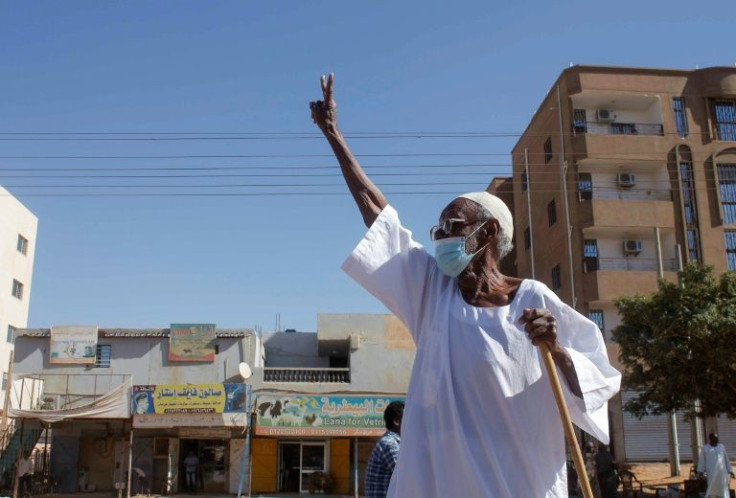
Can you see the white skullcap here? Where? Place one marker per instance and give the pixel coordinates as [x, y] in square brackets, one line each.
[498, 209]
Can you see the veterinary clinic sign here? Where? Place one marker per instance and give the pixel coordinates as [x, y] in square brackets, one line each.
[321, 415]
[188, 398]
[192, 342]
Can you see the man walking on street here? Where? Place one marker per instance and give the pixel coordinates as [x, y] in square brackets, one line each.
[385, 454]
[717, 467]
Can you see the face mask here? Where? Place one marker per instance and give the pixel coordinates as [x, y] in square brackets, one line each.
[451, 256]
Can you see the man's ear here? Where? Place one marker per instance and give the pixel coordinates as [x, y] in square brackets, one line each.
[492, 228]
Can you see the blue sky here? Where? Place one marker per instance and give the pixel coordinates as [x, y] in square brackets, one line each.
[247, 67]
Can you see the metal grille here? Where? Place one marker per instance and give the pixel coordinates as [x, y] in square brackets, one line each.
[104, 354]
[579, 123]
[730, 236]
[596, 316]
[727, 189]
[556, 278]
[678, 107]
[585, 186]
[552, 212]
[724, 112]
[312, 375]
[548, 150]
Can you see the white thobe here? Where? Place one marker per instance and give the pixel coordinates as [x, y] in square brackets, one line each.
[480, 417]
[715, 463]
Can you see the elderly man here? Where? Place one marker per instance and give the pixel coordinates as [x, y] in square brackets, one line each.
[480, 416]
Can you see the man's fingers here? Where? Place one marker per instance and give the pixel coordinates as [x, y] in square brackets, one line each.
[323, 82]
[328, 92]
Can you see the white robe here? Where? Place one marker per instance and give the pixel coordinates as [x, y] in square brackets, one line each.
[715, 463]
[480, 417]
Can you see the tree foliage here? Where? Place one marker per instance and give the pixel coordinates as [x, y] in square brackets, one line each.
[678, 344]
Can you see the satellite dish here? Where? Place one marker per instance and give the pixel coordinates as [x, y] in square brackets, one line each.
[245, 371]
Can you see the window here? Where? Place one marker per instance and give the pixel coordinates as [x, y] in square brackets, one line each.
[731, 249]
[596, 316]
[678, 107]
[552, 212]
[104, 353]
[724, 115]
[590, 255]
[527, 238]
[11, 334]
[727, 189]
[548, 150]
[585, 186]
[524, 182]
[22, 244]
[17, 289]
[556, 278]
[690, 208]
[579, 121]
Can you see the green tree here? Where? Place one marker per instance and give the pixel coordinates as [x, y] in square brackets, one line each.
[678, 344]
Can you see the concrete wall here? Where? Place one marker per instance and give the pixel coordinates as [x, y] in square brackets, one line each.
[15, 219]
[293, 350]
[382, 350]
[144, 358]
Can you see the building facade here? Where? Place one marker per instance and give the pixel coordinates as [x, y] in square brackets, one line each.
[18, 228]
[126, 408]
[621, 174]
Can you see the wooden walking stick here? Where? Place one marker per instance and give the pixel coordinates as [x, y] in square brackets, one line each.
[572, 441]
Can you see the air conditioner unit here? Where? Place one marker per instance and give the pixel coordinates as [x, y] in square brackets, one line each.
[633, 246]
[606, 116]
[626, 180]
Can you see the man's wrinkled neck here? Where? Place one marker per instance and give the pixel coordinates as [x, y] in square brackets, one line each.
[483, 285]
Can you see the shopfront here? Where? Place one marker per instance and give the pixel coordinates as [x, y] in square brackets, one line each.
[172, 422]
[304, 441]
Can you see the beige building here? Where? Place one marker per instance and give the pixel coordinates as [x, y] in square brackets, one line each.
[17, 248]
[617, 168]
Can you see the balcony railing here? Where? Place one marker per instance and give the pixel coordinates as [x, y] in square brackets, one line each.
[597, 128]
[633, 263]
[627, 194]
[314, 375]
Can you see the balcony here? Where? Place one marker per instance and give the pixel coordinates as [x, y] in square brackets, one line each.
[617, 128]
[307, 375]
[627, 212]
[631, 194]
[635, 264]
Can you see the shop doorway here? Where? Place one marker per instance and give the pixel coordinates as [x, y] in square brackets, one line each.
[213, 464]
[297, 461]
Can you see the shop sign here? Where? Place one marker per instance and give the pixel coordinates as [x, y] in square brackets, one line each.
[192, 342]
[153, 421]
[204, 433]
[331, 415]
[188, 398]
[73, 344]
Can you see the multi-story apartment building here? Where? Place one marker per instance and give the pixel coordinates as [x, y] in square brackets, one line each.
[314, 403]
[17, 248]
[621, 172]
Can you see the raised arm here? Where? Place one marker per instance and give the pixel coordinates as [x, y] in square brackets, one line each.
[369, 199]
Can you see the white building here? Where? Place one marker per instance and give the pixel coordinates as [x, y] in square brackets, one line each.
[17, 247]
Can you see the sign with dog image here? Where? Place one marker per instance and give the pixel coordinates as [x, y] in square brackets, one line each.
[329, 415]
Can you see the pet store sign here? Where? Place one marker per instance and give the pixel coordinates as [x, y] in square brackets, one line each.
[321, 415]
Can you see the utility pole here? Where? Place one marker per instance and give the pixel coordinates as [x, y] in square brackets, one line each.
[672, 416]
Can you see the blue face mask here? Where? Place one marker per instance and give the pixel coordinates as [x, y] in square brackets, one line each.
[451, 256]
